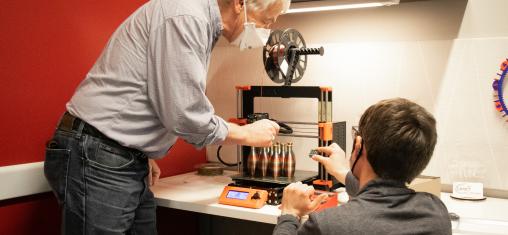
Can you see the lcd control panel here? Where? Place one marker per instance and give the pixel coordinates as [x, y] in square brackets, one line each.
[243, 197]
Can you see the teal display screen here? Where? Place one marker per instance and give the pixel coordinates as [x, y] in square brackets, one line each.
[237, 195]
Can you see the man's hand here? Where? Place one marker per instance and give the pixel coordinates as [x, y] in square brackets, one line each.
[337, 164]
[296, 200]
[154, 172]
[261, 133]
[257, 134]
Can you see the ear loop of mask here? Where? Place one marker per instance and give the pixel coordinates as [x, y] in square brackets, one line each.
[245, 10]
[358, 155]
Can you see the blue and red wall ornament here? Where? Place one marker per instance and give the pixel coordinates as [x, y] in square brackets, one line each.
[498, 85]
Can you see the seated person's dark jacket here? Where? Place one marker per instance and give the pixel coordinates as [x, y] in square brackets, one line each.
[380, 207]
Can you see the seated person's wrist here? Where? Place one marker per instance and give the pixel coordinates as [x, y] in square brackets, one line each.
[290, 212]
[289, 209]
[301, 218]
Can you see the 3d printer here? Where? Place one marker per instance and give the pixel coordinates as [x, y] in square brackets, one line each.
[285, 60]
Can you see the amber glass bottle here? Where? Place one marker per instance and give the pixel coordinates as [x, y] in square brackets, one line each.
[252, 161]
[290, 161]
[275, 163]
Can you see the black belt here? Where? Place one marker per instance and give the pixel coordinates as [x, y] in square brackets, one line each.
[70, 123]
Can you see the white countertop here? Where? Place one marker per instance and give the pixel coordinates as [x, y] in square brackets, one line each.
[488, 209]
[488, 217]
[192, 192]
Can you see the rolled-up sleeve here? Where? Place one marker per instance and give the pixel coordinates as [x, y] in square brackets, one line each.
[289, 225]
[286, 225]
[177, 66]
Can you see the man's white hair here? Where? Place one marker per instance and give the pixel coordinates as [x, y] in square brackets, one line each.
[260, 5]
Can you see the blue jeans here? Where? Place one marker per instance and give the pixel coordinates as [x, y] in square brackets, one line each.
[100, 185]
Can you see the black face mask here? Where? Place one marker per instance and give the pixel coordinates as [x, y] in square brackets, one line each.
[358, 155]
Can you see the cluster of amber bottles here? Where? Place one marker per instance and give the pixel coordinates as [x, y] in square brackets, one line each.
[276, 161]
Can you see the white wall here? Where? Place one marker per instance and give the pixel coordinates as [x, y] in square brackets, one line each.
[442, 54]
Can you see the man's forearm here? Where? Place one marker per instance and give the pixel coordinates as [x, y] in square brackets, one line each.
[258, 134]
[236, 134]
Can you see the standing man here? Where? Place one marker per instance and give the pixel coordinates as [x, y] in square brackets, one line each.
[147, 89]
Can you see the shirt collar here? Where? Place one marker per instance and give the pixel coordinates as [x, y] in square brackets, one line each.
[384, 187]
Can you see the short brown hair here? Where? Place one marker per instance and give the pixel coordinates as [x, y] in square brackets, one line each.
[399, 137]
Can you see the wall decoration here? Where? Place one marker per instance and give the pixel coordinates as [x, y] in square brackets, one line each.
[498, 85]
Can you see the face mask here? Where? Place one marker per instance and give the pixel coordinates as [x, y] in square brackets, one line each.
[236, 42]
[357, 155]
[251, 37]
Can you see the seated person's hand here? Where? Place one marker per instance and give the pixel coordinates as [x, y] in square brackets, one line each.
[297, 201]
[261, 133]
[337, 164]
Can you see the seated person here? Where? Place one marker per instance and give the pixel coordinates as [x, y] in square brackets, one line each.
[394, 143]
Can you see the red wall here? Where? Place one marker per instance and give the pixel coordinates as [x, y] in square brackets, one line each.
[46, 48]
